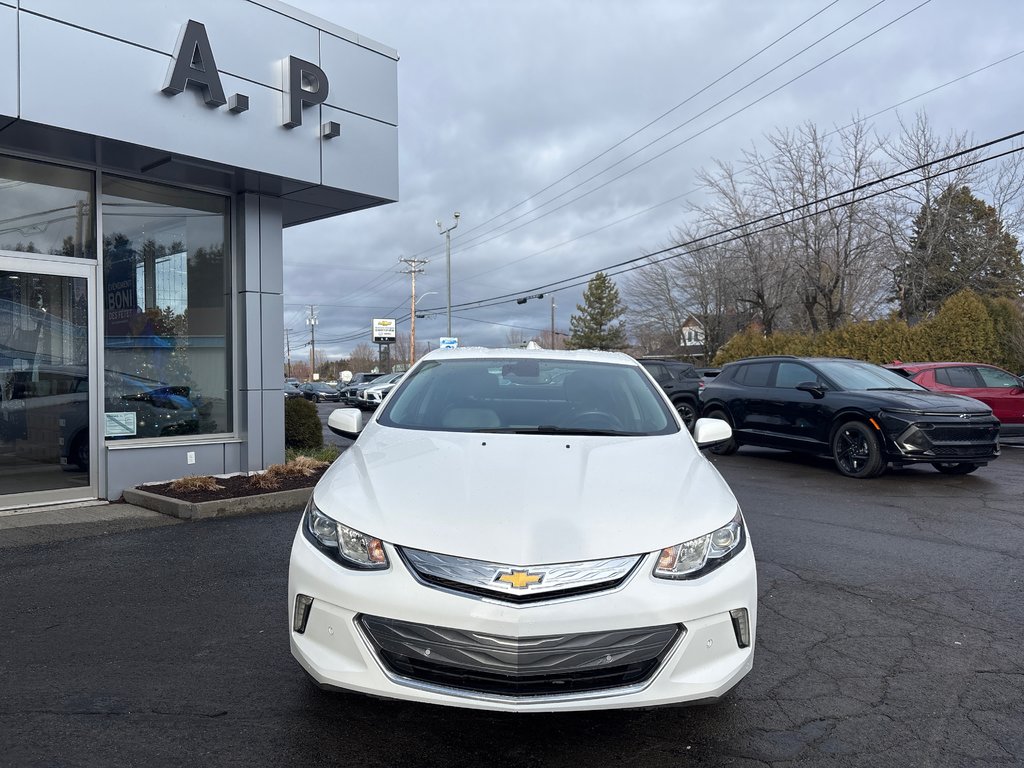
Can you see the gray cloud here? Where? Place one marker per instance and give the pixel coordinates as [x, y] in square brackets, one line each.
[499, 100]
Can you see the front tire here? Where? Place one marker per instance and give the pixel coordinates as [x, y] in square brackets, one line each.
[857, 451]
[726, 447]
[954, 468]
[687, 412]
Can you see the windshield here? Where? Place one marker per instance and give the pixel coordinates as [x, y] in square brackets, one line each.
[851, 375]
[528, 395]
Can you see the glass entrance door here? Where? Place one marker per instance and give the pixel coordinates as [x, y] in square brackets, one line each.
[47, 415]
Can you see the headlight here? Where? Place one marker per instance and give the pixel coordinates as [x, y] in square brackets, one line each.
[699, 556]
[346, 545]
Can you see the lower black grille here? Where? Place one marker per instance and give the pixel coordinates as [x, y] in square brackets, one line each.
[527, 666]
[526, 685]
[962, 451]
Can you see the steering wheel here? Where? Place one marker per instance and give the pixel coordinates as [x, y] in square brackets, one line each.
[593, 420]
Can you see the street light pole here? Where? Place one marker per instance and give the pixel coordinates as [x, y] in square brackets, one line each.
[448, 260]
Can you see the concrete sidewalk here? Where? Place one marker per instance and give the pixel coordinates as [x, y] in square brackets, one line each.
[40, 525]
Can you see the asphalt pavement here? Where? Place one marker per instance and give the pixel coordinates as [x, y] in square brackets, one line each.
[891, 614]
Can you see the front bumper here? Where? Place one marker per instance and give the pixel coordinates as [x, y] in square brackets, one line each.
[941, 439]
[702, 661]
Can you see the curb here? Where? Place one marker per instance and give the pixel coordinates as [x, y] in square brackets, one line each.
[274, 501]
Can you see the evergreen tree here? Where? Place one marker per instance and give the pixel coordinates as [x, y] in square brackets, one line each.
[595, 326]
[958, 243]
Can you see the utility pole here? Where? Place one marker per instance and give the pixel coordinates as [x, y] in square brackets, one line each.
[288, 349]
[553, 321]
[311, 321]
[414, 269]
[448, 260]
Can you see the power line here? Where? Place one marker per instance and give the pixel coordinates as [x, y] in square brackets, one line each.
[826, 135]
[660, 117]
[740, 231]
[479, 241]
[633, 262]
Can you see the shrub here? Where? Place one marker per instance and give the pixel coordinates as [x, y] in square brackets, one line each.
[302, 428]
[967, 327]
[265, 481]
[328, 453]
[962, 330]
[196, 483]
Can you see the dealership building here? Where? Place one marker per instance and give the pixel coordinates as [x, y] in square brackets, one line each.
[151, 154]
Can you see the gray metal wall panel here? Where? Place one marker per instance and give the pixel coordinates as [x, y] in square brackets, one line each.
[126, 103]
[364, 158]
[247, 40]
[247, 211]
[232, 457]
[272, 341]
[273, 427]
[129, 467]
[252, 347]
[271, 245]
[250, 405]
[361, 81]
[8, 61]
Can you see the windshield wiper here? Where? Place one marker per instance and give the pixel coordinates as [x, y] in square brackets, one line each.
[551, 429]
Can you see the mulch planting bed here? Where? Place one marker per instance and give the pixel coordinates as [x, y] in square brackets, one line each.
[233, 487]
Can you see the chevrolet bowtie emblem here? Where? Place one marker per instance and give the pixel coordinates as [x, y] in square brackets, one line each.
[519, 579]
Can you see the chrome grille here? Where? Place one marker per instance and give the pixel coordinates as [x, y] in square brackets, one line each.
[499, 580]
[519, 666]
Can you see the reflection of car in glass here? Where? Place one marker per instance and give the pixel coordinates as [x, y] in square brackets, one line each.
[861, 415]
[60, 394]
[524, 530]
[319, 392]
[998, 389]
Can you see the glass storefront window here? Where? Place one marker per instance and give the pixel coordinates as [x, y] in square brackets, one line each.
[46, 209]
[166, 315]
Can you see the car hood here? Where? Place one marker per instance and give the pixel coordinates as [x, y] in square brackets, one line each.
[923, 401]
[525, 499]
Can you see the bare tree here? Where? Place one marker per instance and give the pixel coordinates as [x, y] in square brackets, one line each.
[757, 261]
[515, 337]
[831, 242]
[658, 305]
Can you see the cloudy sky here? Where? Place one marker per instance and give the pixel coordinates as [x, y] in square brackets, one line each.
[567, 134]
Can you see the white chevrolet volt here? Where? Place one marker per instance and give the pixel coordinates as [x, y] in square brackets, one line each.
[524, 530]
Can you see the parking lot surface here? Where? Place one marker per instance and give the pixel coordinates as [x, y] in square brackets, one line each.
[889, 633]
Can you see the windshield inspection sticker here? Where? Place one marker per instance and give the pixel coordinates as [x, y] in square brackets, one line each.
[120, 424]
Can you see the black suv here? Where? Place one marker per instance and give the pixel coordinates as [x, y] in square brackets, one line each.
[860, 414]
[681, 383]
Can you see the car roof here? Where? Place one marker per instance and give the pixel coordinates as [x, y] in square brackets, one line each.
[800, 358]
[926, 366]
[569, 355]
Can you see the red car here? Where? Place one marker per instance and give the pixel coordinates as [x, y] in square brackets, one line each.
[1000, 390]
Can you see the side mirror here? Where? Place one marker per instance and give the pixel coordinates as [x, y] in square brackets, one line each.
[814, 388]
[347, 422]
[710, 431]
